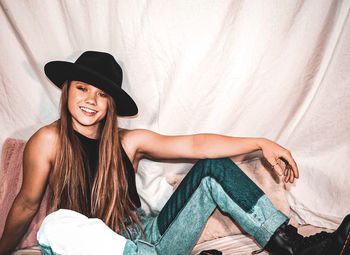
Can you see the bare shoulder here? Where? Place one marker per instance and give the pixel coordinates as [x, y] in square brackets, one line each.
[135, 136]
[44, 141]
[46, 134]
[133, 141]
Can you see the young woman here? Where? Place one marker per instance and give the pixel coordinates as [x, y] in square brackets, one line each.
[89, 165]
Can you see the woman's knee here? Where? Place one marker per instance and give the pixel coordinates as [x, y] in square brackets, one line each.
[214, 166]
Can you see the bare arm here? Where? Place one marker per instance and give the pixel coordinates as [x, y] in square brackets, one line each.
[151, 145]
[37, 160]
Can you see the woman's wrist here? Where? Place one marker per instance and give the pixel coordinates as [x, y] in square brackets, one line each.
[261, 142]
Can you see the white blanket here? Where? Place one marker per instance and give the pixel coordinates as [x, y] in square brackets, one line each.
[275, 69]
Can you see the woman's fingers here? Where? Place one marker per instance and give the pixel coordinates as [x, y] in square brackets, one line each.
[287, 176]
[288, 171]
[277, 168]
[290, 175]
[291, 180]
[288, 157]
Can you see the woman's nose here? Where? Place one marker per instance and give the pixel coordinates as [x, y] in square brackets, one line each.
[91, 98]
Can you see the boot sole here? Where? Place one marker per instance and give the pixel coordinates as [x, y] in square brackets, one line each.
[346, 247]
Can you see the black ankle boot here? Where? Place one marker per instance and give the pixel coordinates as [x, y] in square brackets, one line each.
[287, 241]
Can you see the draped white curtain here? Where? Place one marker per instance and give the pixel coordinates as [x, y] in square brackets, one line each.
[275, 69]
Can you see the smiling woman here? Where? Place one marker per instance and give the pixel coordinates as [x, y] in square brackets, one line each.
[88, 106]
[89, 165]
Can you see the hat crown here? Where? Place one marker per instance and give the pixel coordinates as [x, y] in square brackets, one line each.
[103, 64]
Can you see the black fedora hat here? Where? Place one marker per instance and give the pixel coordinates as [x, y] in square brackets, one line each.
[99, 69]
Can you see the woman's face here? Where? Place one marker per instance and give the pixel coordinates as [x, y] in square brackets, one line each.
[87, 105]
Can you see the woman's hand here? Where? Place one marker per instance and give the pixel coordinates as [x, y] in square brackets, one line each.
[274, 154]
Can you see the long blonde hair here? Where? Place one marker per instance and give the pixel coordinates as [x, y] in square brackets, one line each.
[68, 187]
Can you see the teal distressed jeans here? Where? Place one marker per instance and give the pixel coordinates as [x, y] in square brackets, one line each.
[209, 184]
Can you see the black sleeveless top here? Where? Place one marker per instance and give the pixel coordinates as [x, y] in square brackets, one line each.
[91, 149]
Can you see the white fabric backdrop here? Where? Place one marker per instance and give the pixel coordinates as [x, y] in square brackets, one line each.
[275, 69]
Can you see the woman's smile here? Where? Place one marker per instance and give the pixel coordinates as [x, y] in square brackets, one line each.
[88, 111]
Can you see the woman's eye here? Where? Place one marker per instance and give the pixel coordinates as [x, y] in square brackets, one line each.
[102, 94]
[82, 88]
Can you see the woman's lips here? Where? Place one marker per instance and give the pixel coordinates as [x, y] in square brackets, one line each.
[88, 111]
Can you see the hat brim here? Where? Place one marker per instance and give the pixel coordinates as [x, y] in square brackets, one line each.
[60, 71]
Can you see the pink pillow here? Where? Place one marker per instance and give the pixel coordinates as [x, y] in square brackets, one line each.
[11, 175]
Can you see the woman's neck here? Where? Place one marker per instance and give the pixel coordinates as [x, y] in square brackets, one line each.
[88, 131]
